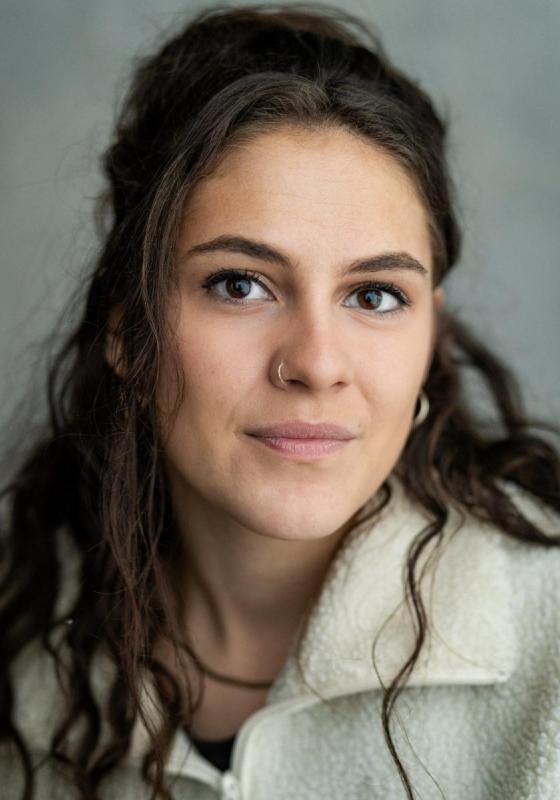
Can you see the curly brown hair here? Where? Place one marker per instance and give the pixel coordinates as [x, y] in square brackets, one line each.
[95, 471]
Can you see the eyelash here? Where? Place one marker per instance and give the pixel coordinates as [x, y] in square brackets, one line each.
[217, 277]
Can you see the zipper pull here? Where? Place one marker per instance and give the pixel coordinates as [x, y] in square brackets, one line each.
[230, 787]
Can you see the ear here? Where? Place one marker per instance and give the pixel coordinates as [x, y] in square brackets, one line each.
[113, 345]
[438, 297]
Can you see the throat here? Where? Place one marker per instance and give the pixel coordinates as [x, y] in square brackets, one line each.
[224, 709]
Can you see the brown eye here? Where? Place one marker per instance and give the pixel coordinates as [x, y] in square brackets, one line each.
[372, 296]
[238, 286]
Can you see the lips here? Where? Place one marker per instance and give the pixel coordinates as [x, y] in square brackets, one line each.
[302, 448]
[296, 429]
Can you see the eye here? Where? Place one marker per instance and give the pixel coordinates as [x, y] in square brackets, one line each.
[386, 298]
[236, 281]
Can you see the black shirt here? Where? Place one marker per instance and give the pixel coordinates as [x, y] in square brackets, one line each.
[218, 752]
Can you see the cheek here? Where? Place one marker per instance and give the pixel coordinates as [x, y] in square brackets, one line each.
[211, 370]
[395, 365]
[393, 385]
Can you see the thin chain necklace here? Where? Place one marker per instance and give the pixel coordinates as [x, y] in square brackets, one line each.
[226, 678]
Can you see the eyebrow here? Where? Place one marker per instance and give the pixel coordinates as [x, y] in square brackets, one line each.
[395, 261]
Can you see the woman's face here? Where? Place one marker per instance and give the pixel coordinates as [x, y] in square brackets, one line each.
[354, 356]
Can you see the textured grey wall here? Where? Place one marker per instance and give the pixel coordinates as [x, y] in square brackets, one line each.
[495, 66]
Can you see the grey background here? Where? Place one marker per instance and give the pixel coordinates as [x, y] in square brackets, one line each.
[494, 66]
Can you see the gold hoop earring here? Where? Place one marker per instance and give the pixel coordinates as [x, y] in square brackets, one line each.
[423, 410]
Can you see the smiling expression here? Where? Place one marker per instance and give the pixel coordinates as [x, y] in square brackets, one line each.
[330, 249]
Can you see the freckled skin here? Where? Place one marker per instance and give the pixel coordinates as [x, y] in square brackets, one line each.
[324, 199]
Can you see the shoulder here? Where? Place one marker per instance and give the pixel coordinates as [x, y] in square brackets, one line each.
[40, 674]
[530, 560]
[503, 589]
[546, 518]
[534, 567]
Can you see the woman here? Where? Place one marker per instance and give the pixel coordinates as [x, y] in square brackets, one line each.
[263, 509]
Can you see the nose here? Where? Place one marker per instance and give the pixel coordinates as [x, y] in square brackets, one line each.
[314, 350]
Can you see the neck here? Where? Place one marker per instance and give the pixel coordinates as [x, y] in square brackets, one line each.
[241, 590]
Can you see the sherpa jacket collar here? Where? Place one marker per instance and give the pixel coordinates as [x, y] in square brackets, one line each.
[467, 591]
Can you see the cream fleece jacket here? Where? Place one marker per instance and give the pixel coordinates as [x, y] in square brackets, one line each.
[479, 718]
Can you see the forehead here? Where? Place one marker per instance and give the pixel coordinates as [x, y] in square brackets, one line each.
[317, 194]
